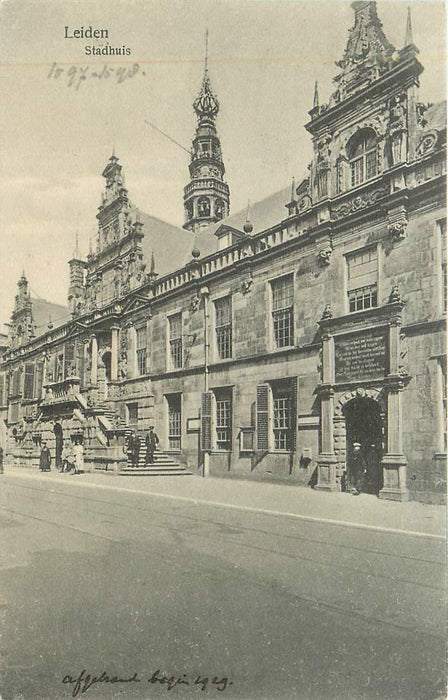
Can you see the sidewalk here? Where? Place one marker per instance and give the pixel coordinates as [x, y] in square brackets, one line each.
[343, 509]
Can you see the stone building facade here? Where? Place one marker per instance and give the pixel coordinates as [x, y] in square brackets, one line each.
[280, 345]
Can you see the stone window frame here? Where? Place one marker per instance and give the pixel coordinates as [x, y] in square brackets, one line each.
[230, 325]
[358, 250]
[129, 417]
[171, 433]
[141, 350]
[222, 394]
[361, 137]
[29, 380]
[272, 312]
[281, 438]
[175, 350]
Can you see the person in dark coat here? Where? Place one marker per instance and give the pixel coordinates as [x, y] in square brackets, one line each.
[358, 469]
[151, 440]
[135, 448]
[45, 459]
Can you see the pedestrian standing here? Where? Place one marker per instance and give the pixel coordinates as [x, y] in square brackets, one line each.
[70, 468]
[64, 454]
[45, 459]
[135, 448]
[151, 440]
[358, 469]
[78, 451]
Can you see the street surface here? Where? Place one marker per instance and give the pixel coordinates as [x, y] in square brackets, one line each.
[154, 597]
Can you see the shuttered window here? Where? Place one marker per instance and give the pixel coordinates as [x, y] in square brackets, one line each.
[284, 400]
[277, 415]
[223, 418]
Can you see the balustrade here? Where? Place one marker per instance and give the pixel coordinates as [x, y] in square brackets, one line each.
[64, 391]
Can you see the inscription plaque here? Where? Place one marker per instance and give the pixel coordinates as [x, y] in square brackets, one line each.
[361, 356]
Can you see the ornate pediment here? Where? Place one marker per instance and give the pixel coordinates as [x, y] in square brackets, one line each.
[137, 301]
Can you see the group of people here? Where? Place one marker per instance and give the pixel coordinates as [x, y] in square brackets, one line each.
[134, 444]
[72, 458]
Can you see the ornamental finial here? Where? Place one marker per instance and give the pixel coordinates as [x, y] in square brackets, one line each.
[316, 96]
[408, 40]
[206, 104]
[248, 227]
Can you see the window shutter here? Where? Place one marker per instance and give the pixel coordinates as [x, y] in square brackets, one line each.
[293, 415]
[2, 390]
[206, 422]
[262, 417]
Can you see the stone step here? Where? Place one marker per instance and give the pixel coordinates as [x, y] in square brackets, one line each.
[155, 471]
[161, 462]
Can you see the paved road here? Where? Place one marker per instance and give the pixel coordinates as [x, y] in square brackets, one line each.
[117, 583]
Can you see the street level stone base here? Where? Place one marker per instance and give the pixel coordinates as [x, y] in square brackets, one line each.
[394, 494]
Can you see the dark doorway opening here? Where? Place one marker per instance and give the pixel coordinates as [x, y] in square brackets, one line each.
[58, 445]
[364, 445]
[107, 360]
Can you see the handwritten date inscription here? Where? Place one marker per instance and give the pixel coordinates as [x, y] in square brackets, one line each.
[84, 681]
[75, 76]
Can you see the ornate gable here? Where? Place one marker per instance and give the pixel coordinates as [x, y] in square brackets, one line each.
[368, 53]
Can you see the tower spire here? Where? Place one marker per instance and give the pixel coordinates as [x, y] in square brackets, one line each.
[206, 197]
[408, 40]
[206, 51]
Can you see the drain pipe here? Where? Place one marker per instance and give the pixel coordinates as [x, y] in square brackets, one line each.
[205, 294]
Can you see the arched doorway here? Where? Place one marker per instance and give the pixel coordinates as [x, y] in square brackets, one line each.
[364, 444]
[58, 445]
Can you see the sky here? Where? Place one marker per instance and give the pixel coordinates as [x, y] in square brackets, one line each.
[57, 133]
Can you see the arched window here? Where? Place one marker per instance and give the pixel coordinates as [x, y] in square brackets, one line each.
[363, 156]
[203, 206]
[219, 209]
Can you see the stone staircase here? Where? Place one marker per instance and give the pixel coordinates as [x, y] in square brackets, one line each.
[163, 464]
